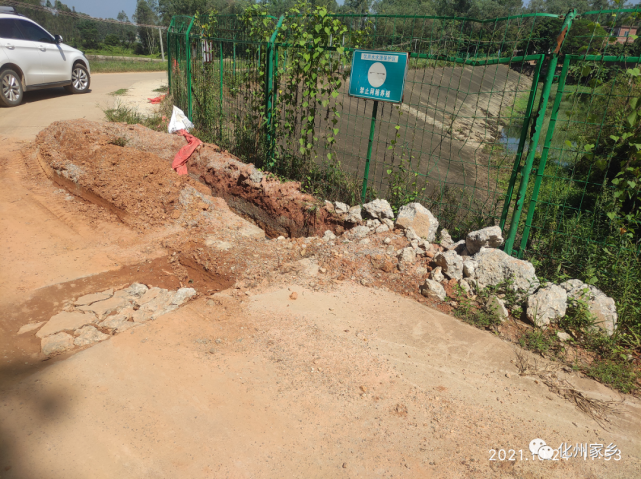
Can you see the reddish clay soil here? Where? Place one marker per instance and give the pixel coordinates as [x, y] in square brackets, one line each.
[133, 178]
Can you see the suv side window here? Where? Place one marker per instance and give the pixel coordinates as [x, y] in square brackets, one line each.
[9, 29]
[33, 32]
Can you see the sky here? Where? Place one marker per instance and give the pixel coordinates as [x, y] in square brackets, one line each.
[101, 8]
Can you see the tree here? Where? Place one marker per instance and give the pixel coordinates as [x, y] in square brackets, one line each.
[88, 34]
[112, 40]
[147, 14]
[122, 17]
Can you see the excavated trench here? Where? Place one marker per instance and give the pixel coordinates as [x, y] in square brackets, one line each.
[136, 184]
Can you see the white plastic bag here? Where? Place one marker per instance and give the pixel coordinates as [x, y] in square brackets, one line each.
[179, 121]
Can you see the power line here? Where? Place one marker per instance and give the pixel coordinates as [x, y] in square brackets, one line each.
[80, 16]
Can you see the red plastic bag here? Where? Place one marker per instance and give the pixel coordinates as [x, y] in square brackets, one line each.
[180, 160]
[155, 101]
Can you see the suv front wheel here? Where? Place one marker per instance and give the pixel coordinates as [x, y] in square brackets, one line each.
[80, 80]
[11, 88]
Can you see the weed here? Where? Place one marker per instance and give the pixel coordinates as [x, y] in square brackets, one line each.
[619, 375]
[476, 316]
[122, 91]
[120, 141]
[162, 89]
[114, 66]
[537, 341]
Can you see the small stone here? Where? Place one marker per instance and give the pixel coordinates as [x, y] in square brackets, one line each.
[372, 224]
[420, 219]
[507, 375]
[421, 271]
[137, 289]
[407, 256]
[88, 335]
[547, 304]
[56, 343]
[294, 295]
[411, 235]
[468, 268]
[388, 222]
[563, 337]
[490, 237]
[451, 263]
[387, 240]
[365, 241]
[256, 175]
[183, 295]
[322, 270]
[329, 206]
[65, 321]
[280, 238]
[446, 239]
[379, 209]
[433, 289]
[329, 236]
[465, 286]
[437, 274]
[381, 229]
[601, 306]
[354, 215]
[341, 207]
[92, 298]
[30, 327]
[359, 232]
[344, 465]
[496, 306]
[494, 266]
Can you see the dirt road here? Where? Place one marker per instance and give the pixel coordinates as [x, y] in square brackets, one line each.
[42, 107]
[343, 381]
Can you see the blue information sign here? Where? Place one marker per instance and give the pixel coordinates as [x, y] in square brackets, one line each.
[378, 75]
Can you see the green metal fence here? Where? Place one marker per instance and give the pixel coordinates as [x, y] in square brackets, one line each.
[477, 134]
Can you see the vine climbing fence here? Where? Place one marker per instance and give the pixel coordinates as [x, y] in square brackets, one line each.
[529, 122]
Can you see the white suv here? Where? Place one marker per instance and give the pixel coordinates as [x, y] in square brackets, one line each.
[31, 59]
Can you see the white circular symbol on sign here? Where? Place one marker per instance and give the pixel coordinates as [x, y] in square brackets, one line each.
[377, 74]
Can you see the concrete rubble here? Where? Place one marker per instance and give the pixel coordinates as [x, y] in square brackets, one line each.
[96, 316]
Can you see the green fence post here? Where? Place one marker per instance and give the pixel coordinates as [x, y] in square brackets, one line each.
[169, 56]
[372, 128]
[520, 199]
[544, 155]
[220, 116]
[188, 56]
[519, 152]
[269, 100]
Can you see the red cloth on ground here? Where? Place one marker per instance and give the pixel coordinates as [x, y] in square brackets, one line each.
[185, 152]
[156, 100]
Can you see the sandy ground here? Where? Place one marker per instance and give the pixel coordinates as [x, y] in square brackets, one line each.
[344, 381]
[138, 94]
[42, 107]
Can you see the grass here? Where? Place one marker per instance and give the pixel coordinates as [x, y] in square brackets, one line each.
[619, 375]
[109, 66]
[122, 91]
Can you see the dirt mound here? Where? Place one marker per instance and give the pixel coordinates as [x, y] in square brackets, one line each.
[95, 161]
[127, 169]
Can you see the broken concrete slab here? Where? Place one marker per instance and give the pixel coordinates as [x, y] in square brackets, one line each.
[88, 299]
[30, 327]
[88, 335]
[56, 343]
[104, 308]
[65, 321]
